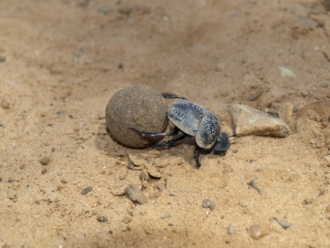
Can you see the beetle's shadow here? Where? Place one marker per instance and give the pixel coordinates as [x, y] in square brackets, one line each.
[183, 148]
[191, 142]
[108, 145]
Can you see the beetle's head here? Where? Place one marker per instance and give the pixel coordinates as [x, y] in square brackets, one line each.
[222, 143]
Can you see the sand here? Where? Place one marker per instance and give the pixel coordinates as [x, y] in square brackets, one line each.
[61, 61]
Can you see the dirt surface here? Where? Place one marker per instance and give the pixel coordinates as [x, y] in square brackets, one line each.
[61, 61]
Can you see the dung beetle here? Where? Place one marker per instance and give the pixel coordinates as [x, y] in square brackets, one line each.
[193, 120]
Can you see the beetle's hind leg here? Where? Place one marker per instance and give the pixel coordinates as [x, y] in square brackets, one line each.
[169, 142]
[156, 135]
[172, 96]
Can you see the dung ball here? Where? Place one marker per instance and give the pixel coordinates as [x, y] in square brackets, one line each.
[140, 107]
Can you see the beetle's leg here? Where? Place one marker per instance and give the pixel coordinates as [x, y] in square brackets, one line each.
[172, 96]
[169, 142]
[196, 157]
[156, 135]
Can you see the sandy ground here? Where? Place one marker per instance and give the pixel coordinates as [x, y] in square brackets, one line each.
[61, 61]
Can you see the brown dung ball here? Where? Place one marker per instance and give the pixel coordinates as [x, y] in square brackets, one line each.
[139, 107]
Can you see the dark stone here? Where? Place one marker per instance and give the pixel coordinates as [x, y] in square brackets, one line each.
[86, 190]
[102, 218]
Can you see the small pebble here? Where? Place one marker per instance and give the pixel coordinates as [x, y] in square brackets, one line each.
[10, 180]
[254, 94]
[5, 104]
[327, 208]
[165, 216]
[284, 72]
[253, 184]
[207, 203]
[231, 230]
[220, 67]
[0, 179]
[45, 160]
[102, 218]
[308, 200]
[64, 181]
[160, 187]
[125, 9]
[304, 93]
[283, 223]
[144, 176]
[135, 194]
[103, 10]
[86, 190]
[257, 232]
[2, 59]
[324, 85]
[84, 3]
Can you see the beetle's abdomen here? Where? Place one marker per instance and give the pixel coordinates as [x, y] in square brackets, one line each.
[186, 116]
[208, 131]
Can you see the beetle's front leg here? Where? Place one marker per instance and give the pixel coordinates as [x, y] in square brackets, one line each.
[196, 157]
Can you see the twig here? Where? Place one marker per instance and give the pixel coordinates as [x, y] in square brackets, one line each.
[326, 56]
[315, 95]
